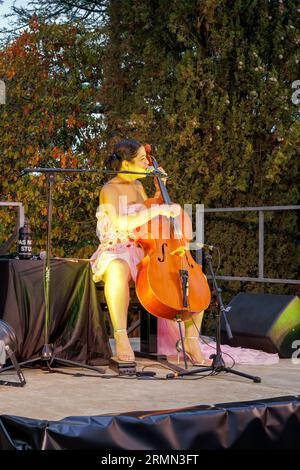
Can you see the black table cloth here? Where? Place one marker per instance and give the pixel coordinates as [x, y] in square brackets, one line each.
[76, 324]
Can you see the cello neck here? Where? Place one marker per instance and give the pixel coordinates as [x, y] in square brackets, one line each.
[167, 200]
[163, 189]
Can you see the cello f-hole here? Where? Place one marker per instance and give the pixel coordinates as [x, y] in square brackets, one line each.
[161, 260]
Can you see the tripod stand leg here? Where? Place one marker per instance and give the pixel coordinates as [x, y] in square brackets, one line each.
[15, 366]
[182, 372]
[67, 362]
[182, 344]
[48, 363]
[24, 363]
[255, 379]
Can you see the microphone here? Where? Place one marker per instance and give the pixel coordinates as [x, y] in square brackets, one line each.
[153, 171]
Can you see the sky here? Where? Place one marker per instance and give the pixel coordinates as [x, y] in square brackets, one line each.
[5, 8]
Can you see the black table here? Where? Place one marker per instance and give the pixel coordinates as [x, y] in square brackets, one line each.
[76, 325]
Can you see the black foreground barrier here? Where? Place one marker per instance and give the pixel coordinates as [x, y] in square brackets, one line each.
[262, 424]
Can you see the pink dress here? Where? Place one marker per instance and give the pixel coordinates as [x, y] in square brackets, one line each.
[115, 244]
[124, 245]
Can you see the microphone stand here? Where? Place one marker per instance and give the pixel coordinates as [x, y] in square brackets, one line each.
[218, 364]
[47, 355]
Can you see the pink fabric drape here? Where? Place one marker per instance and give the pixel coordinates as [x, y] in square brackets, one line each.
[168, 334]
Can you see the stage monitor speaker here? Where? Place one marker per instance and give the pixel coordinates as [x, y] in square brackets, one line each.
[265, 322]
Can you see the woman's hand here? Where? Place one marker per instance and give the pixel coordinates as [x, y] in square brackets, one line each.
[164, 180]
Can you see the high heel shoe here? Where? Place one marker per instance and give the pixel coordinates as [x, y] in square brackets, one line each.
[124, 357]
[204, 362]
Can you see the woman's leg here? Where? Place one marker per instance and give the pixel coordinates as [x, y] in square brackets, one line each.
[116, 289]
[191, 341]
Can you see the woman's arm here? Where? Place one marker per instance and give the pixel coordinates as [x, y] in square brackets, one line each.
[141, 190]
[115, 205]
[157, 194]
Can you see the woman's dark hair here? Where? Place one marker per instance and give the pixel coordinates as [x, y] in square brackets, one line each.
[123, 150]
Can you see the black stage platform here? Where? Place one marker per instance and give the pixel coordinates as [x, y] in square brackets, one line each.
[262, 424]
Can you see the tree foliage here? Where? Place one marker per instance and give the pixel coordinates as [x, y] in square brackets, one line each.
[91, 11]
[52, 118]
[208, 83]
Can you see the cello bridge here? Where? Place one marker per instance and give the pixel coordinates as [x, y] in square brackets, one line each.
[180, 251]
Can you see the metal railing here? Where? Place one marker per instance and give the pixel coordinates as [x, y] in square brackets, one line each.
[261, 240]
[201, 236]
[19, 223]
[20, 210]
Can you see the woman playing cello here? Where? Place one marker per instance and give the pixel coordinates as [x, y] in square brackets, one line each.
[121, 210]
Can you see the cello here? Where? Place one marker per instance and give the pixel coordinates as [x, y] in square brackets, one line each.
[170, 284]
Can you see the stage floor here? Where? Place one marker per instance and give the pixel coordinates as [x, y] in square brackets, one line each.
[53, 396]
